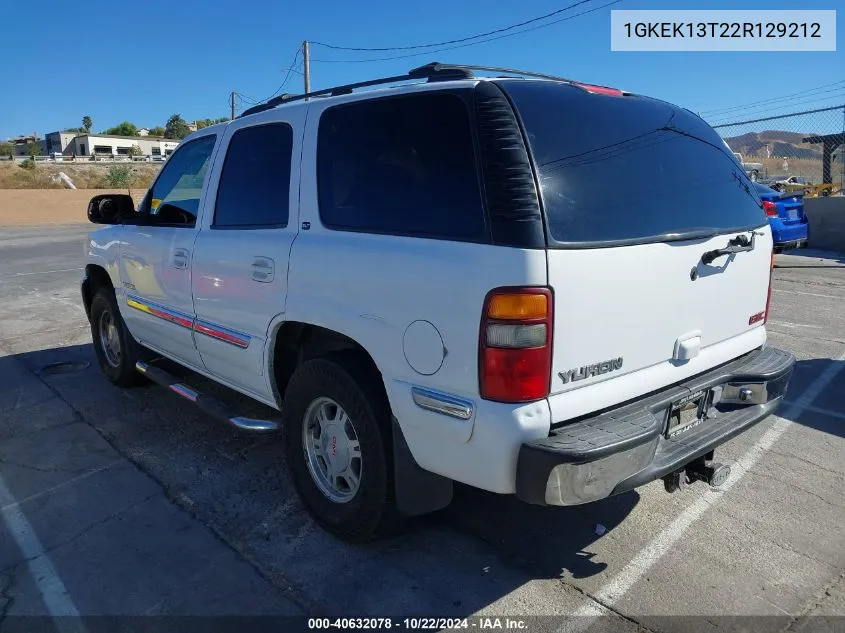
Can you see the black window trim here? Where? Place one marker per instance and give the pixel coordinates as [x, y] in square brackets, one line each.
[466, 95]
[144, 211]
[253, 227]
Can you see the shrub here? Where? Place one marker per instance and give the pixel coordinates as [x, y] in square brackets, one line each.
[118, 176]
[29, 163]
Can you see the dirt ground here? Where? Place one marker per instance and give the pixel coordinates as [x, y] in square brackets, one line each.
[20, 207]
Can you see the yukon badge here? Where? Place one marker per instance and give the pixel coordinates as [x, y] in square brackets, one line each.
[588, 371]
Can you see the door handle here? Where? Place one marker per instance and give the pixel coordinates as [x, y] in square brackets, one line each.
[263, 269]
[180, 258]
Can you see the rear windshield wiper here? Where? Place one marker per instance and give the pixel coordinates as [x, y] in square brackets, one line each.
[738, 244]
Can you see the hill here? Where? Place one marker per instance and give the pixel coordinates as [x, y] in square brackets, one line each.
[781, 144]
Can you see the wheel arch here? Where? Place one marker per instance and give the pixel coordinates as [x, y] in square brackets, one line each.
[95, 278]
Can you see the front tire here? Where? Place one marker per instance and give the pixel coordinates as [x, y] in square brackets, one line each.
[114, 346]
[336, 445]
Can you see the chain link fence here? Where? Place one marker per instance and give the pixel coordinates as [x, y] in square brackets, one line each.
[800, 149]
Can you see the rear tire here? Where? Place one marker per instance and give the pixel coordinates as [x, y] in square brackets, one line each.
[337, 445]
[116, 350]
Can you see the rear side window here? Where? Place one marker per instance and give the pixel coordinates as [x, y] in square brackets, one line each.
[400, 165]
[254, 189]
[627, 168]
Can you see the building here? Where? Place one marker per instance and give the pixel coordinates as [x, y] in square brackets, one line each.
[75, 144]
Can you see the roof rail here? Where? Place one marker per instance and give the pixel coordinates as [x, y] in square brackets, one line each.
[434, 71]
[435, 68]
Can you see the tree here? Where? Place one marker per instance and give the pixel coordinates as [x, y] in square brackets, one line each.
[123, 129]
[76, 130]
[7, 149]
[157, 131]
[176, 127]
[135, 150]
[87, 124]
[34, 149]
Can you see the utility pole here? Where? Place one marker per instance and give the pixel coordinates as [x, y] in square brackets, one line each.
[306, 63]
[233, 104]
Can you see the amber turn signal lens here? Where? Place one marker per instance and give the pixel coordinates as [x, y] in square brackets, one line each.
[518, 306]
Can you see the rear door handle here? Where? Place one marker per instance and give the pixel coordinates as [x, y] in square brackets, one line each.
[263, 269]
[180, 258]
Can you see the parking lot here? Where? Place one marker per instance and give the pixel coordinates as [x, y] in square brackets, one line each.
[135, 503]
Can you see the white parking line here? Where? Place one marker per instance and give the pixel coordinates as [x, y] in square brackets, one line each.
[809, 294]
[789, 324]
[53, 591]
[42, 272]
[621, 583]
[828, 412]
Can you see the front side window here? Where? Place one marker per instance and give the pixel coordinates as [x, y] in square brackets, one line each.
[176, 192]
[254, 187]
[400, 165]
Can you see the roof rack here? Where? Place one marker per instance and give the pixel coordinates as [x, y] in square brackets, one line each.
[434, 71]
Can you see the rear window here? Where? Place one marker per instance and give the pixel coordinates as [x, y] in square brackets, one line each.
[629, 169]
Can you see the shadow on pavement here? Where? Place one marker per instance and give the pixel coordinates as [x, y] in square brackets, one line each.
[830, 399]
[824, 259]
[238, 485]
[455, 562]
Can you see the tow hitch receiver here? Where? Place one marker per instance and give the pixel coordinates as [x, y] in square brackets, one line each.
[702, 469]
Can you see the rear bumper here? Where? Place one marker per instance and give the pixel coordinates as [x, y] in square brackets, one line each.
[795, 232]
[626, 447]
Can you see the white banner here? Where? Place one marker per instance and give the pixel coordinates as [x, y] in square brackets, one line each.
[723, 30]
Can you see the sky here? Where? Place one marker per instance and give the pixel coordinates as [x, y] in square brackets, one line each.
[143, 61]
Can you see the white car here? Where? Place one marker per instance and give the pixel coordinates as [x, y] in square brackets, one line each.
[435, 283]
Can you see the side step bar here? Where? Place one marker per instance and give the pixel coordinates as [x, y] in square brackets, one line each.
[207, 403]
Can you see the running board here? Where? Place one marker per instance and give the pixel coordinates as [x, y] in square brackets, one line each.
[207, 403]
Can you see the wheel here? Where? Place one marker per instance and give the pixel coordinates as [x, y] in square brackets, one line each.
[114, 346]
[337, 447]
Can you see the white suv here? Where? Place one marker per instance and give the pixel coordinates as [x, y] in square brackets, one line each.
[510, 282]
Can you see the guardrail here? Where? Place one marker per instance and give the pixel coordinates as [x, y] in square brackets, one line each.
[101, 158]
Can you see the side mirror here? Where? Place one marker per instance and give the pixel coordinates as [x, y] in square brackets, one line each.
[111, 208]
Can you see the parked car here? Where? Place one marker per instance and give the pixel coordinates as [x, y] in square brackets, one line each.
[752, 169]
[790, 227]
[434, 283]
[788, 183]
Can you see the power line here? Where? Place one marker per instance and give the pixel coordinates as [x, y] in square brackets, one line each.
[757, 111]
[720, 111]
[290, 71]
[779, 116]
[455, 41]
[449, 48]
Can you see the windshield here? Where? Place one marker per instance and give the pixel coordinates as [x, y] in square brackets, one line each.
[629, 169]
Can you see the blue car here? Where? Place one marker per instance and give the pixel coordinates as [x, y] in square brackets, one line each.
[785, 211]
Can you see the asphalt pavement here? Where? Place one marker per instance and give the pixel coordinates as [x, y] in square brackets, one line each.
[132, 502]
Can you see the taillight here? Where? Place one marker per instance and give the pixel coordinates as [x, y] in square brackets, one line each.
[769, 297]
[770, 208]
[515, 346]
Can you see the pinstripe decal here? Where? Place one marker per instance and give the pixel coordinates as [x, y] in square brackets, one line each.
[148, 307]
[226, 335]
[233, 337]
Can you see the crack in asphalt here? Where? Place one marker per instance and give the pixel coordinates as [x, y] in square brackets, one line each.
[608, 607]
[777, 544]
[814, 603]
[808, 462]
[807, 491]
[8, 579]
